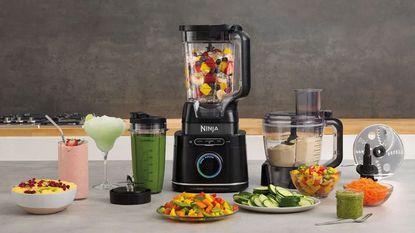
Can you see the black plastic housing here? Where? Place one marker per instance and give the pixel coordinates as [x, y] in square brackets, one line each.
[233, 176]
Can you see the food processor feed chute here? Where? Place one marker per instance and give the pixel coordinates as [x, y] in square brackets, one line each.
[308, 102]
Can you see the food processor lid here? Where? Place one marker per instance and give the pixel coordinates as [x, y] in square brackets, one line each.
[387, 149]
[207, 33]
[146, 119]
[288, 119]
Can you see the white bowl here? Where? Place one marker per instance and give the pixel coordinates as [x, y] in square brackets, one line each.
[44, 203]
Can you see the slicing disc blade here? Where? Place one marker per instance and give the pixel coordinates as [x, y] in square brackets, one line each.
[384, 136]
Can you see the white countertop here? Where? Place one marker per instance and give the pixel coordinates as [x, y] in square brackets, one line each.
[96, 214]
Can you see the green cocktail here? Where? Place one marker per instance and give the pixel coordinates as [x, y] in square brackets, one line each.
[105, 131]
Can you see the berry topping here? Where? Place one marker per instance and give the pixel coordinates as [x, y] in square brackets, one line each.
[33, 186]
[72, 142]
[30, 191]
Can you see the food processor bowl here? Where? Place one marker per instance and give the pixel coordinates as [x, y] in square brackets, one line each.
[291, 140]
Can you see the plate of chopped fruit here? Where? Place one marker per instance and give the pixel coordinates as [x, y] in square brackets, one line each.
[43, 196]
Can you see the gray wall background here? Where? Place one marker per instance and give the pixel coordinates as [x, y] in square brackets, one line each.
[113, 57]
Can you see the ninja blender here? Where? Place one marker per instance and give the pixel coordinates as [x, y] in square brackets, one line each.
[294, 139]
[210, 150]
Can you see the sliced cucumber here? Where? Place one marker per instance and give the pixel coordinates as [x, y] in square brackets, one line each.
[258, 202]
[304, 202]
[272, 189]
[269, 203]
[262, 197]
[284, 192]
[290, 201]
[297, 194]
[246, 194]
[273, 201]
[272, 197]
[261, 190]
[311, 200]
[239, 198]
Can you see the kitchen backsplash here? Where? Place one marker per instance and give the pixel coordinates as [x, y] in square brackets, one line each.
[113, 57]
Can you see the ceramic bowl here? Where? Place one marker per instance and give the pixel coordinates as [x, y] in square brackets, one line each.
[44, 203]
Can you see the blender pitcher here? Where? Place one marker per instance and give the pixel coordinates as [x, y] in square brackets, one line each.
[217, 67]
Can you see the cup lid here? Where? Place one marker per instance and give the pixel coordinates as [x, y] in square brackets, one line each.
[146, 119]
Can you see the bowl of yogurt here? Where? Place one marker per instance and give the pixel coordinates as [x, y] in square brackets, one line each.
[44, 196]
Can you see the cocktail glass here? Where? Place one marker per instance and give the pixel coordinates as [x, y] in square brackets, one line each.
[105, 131]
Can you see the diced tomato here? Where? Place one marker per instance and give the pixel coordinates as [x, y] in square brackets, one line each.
[176, 207]
[213, 195]
[235, 207]
[168, 205]
[209, 209]
[219, 200]
[167, 211]
[202, 194]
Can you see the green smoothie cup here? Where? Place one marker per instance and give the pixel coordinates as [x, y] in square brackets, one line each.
[148, 150]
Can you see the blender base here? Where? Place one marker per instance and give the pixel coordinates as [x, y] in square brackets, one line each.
[210, 163]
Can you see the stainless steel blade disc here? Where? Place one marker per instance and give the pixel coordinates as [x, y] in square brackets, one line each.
[380, 137]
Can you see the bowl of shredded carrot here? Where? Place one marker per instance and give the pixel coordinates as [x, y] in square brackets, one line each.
[375, 193]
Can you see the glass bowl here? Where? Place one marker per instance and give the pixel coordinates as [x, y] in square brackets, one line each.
[367, 200]
[315, 186]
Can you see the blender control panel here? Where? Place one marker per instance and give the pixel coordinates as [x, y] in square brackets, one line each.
[208, 141]
[209, 165]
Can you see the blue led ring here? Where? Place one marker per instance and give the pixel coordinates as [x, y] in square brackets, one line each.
[203, 157]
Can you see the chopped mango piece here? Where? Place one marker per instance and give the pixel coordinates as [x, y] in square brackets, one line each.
[227, 51]
[205, 89]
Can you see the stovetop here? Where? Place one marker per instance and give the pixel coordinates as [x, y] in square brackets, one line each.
[36, 120]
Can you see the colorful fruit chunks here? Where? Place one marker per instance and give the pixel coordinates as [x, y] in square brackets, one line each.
[210, 73]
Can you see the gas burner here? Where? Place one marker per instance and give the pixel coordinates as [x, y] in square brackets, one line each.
[6, 120]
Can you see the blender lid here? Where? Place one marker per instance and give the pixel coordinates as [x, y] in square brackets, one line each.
[219, 27]
[289, 119]
[146, 119]
[207, 33]
[387, 149]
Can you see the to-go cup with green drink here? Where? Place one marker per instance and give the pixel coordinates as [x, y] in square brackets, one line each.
[148, 147]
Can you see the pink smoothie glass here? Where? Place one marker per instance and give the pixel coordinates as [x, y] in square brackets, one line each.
[73, 166]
